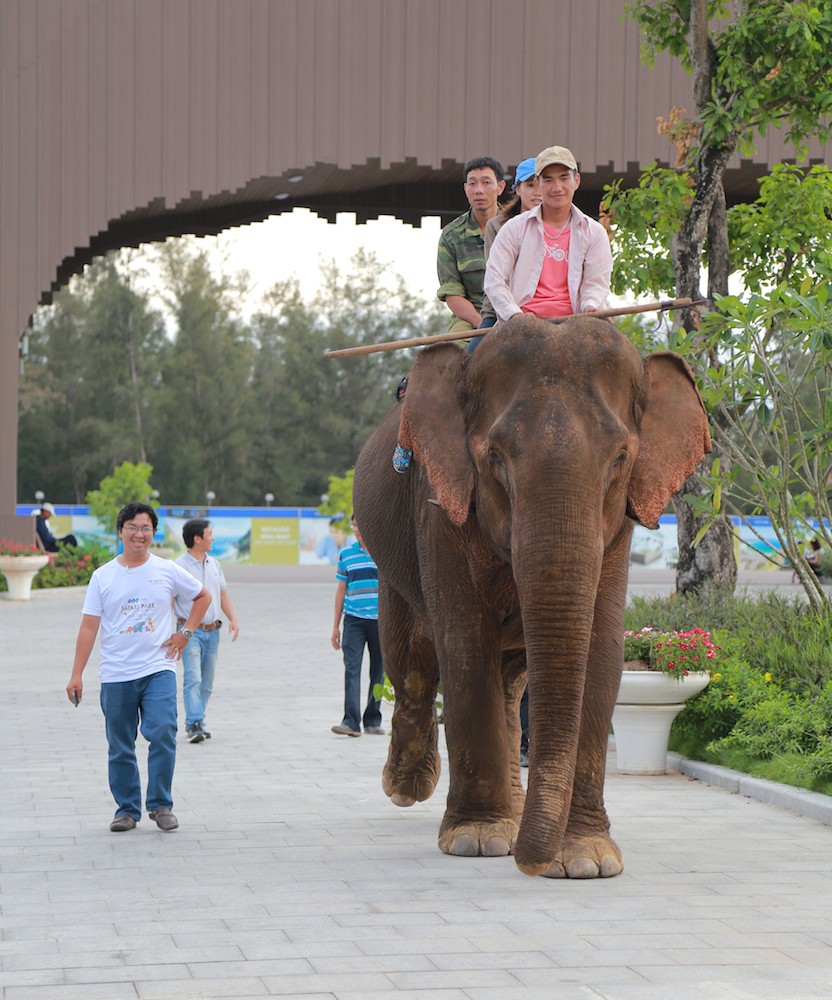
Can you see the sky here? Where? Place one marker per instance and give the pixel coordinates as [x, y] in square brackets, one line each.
[295, 243]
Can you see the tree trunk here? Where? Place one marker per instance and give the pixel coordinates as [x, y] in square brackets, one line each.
[712, 561]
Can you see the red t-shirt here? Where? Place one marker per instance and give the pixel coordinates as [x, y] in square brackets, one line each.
[551, 297]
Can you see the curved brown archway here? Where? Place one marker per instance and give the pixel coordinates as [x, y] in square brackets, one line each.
[128, 122]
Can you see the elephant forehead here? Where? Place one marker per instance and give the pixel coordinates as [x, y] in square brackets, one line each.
[565, 367]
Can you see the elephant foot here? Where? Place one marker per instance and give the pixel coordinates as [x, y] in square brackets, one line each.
[586, 857]
[494, 839]
[415, 784]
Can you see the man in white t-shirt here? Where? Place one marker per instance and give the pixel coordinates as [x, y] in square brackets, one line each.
[130, 599]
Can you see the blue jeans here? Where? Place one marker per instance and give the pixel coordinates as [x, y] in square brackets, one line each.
[199, 659]
[357, 633]
[486, 324]
[151, 700]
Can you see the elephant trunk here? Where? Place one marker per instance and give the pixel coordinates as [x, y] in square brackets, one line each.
[557, 585]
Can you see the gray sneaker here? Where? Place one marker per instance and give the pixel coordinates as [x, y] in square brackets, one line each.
[196, 734]
[122, 823]
[164, 819]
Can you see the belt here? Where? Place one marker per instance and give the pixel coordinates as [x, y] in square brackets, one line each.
[205, 626]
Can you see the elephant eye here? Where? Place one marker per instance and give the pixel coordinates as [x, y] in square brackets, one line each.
[494, 457]
[621, 457]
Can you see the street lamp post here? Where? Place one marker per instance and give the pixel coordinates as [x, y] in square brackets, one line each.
[269, 498]
[210, 496]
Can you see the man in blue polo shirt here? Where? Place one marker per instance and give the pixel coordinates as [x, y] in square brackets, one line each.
[356, 597]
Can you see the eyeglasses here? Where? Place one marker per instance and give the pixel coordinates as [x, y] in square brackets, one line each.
[131, 529]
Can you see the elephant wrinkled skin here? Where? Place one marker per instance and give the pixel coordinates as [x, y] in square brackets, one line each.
[505, 547]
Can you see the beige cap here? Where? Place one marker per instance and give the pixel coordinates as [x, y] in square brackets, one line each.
[48, 508]
[554, 154]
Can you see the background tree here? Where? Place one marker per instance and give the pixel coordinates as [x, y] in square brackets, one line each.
[206, 405]
[129, 483]
[754, 66]
[318, 412]
[338, 499]
[89, 391]
[211, 399]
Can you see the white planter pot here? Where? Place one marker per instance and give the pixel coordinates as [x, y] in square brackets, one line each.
[646, 706]
[19, 572]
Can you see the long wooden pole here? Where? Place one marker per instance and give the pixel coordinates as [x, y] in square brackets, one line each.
[441, 338]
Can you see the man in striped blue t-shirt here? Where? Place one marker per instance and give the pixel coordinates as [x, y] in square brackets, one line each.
[356, 597]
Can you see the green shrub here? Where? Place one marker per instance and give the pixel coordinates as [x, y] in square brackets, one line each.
[768, 707]
[70, 567]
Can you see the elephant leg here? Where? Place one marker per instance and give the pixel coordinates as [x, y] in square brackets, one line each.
[480, 816]
[588, 850]
[413, 764]
[514, 683]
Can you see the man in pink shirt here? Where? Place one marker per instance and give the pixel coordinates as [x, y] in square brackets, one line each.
[554, 260]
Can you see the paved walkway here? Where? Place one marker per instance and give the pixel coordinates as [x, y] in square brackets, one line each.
[293, 876]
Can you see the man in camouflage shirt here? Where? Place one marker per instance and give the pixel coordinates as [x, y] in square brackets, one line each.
[460, 261]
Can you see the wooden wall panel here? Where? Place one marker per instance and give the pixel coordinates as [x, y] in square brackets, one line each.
[149, 102]
[233, 89]
[394, 46]
[110, 106]
[120, 150]
[48, 166]
[176, 57]
[96, 110]
[258, 103]
[305, 82]
[204, 93]
[75, 136]
[323, 85]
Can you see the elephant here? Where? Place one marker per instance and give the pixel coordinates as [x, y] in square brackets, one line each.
[503, 554]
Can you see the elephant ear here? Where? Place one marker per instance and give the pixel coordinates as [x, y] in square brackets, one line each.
[674, 436]
[432, 425]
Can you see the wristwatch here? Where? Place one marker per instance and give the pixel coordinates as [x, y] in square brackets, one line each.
[186, 632]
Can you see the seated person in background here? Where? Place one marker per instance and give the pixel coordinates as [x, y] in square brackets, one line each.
[49, 542]
[460, 259]
[553, 260]
[812, 554]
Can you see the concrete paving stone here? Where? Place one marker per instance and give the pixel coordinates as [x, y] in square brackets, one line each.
[588, 957]
[31, 977]
[510, 960]
[73, 991]
[293, 855]
[263, 950]
[388, 945]
[819, 957]
[248, 968]
[63, 959]
[128, 973]
[187, 989]
[331, 964]
[389, 995]
[366, 983]
[183, 956]
[742, 973]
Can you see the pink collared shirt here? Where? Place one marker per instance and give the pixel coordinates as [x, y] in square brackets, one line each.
[515, 261]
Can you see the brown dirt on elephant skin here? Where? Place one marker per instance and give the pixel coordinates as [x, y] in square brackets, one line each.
[492, 839]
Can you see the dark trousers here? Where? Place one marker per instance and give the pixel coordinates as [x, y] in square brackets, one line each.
[357, 633]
